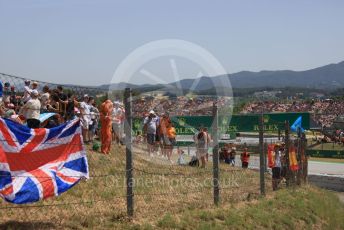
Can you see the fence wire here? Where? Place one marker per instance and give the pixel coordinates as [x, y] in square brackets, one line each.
[18, 84]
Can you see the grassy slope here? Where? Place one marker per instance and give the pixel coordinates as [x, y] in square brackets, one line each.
[304, 208]
[99, 203]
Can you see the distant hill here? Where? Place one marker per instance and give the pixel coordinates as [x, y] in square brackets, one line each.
[329, 77]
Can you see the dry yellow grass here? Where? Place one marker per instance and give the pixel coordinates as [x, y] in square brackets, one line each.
[100, 202]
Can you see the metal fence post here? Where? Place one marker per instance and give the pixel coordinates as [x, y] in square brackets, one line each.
[262, 156]
[265, 148]
[305, 166]
[216, 170]
[287, 145]
[129, 154]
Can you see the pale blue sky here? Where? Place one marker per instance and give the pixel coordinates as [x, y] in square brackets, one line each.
[82, 42]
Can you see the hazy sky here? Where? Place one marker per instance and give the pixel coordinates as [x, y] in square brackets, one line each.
[83, 42]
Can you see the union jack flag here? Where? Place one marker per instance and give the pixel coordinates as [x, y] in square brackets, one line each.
[39, 163]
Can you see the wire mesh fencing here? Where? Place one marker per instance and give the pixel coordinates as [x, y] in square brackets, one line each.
[16, 84]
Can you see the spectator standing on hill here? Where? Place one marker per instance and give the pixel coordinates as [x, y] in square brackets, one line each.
[209, 140]
[31, 110]
[54, 104]
[45, 98]
[171, 138]
[158, 140]
[85, 117]
[62, 97]
[15, 100]
[13, 97]
[232, 154]
[276, 170]
[106, 125]
[224, 153]
[117, 118]
[162, 132]
[202, 146]
[150, 124]
[27, 91]
[245, 158]
[94, 113]
[283, 159]
[70, 106]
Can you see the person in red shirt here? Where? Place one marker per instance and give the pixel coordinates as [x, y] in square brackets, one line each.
[245, 158]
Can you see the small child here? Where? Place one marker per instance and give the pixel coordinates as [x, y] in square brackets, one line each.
[181, 160]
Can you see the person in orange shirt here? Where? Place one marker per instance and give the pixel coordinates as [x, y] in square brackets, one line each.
[170, 140]
[106, 126]
[162, 132]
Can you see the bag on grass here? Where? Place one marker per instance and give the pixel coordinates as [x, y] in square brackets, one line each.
[194, 162]
[96, 146]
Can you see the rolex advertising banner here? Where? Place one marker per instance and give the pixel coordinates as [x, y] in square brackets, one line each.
[272, 122]
[187, 126]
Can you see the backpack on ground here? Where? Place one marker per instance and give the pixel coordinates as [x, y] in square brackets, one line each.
[194, 162]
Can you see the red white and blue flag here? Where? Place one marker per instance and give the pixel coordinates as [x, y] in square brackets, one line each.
[39, 163]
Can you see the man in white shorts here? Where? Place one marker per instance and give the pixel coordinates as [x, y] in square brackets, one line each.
[85, 117]
[117, 119]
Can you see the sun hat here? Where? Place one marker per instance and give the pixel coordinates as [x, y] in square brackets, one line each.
[34, 93]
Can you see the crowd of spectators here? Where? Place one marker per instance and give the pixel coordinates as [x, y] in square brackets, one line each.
[32, 100]
[178, 106]
[324, 112]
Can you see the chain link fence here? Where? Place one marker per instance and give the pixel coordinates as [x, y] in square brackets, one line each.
[18, 84]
